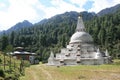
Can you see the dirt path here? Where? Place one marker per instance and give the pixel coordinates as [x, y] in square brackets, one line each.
[48, 75]
[37, 72]
[35, 77]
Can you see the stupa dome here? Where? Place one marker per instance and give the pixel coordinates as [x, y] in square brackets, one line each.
[81, 37]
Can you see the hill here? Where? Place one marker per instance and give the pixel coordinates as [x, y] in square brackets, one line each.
[18, 26]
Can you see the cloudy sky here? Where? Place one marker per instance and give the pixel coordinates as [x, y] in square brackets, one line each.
[13, 11]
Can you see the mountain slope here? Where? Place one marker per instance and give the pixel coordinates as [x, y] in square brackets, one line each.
[68, 16]
[109, 10]
[19, 26]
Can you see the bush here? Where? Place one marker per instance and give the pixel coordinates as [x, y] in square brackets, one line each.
[1, 78]
[17, 74]
[11, 77]
[0, 60]
[26, 63]
[2, 74]
[116, 62]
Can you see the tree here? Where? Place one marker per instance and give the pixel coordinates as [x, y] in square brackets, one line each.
[4, 42]
[101, 36]
[9, 49]
[12, 36]
[63, 41]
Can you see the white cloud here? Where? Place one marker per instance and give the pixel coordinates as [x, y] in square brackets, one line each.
[60, 6]
[17, 11]
[102, 4]
[2, 5]
[20, 10]
[79, 2]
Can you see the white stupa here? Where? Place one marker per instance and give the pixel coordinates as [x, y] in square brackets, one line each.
[81, 50]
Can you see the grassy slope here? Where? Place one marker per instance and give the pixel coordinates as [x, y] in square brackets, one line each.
[14, 65]
[81, 72]
[7, 59]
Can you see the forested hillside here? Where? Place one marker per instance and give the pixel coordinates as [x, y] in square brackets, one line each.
[54, 33]
[105, 31]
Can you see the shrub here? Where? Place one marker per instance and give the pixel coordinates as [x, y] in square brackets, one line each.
[116, 63]
[26, 63]
[2, 74]
[11, 77]
[1, 78]
[0, 60]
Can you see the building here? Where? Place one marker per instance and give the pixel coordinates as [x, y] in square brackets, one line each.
[20, 53]
[81, 50]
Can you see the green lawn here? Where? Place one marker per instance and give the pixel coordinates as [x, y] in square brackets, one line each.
[79, 72]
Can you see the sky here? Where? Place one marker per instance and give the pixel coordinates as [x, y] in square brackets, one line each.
[14, 11]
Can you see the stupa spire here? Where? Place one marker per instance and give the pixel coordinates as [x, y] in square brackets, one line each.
[80, 25]
[51, 55]
[106, 53]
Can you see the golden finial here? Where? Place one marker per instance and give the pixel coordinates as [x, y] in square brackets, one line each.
[80, 15]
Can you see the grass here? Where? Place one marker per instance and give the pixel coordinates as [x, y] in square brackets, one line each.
[79, 72]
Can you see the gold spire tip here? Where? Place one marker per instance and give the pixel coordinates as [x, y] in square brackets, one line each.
[80, 16]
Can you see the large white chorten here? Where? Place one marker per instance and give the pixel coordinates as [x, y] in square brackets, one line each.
[81, 50]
